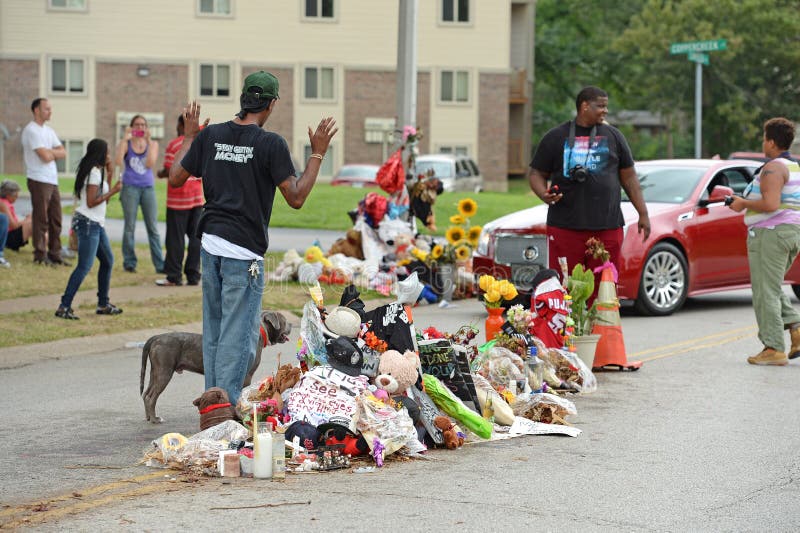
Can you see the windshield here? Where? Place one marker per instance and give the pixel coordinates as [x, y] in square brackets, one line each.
[670, 185]
[441, 169]
[358, 171]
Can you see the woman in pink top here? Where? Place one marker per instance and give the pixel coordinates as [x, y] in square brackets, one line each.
[19, 231]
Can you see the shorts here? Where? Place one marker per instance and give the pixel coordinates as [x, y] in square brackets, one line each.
[14, 240]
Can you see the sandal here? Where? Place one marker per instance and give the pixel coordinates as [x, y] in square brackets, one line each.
[66, 313]
[109, 309]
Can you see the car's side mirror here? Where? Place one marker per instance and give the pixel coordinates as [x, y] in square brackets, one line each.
[718, 194]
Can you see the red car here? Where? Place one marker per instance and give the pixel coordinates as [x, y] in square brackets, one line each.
[697, 245]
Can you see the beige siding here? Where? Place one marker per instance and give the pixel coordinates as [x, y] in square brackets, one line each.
[170, 37]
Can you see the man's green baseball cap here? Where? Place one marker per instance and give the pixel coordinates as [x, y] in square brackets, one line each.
[262, 83]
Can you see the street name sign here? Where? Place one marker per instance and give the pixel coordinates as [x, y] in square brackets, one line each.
[698, 46]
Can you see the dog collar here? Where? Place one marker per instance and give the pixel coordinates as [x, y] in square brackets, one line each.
[264, 338]
[214, 406]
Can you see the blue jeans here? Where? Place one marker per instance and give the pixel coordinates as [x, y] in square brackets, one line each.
[231, 308]
[92, 242]
[3, 232]
[132, 197]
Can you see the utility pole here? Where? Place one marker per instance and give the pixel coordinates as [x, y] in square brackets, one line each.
[407, 65]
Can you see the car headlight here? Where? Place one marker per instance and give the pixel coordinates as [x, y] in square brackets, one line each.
[483, 243]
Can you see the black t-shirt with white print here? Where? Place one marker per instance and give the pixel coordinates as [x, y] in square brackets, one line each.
[241, 166]
[595, 203]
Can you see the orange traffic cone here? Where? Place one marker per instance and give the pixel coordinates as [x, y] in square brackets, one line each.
[610, 350]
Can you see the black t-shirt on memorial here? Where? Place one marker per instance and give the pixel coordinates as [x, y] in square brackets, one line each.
[241, 166]
[595, 203]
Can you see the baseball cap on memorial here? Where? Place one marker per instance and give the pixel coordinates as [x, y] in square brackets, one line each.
[262, 83]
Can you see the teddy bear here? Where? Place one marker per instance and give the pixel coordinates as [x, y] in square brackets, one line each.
[452, 438]
[396, 373]
[287, 268]
[214, 407]
[349, 245]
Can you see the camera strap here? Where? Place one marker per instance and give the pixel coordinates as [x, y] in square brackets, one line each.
[592, 135]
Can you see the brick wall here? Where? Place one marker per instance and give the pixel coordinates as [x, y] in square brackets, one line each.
[119, 88]
[372, 94]
[493, 131]
[20, 80]
[282, 118]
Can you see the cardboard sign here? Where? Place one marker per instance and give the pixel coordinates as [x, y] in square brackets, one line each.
[450, 365]
[325, 395]
[427, 412]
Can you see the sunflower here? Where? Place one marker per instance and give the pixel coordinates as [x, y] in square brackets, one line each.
[473, 235]
[467, 207]
[462, 252]
[457, 220]
[454, 234]
[437, 251]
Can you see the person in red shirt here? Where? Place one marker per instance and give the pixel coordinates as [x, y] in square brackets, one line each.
[19, 231]
[184, 206]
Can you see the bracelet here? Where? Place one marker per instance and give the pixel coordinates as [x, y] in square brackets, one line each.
[318, 156]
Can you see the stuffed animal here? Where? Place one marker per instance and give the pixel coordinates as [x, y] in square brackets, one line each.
[287, 268]
[396, 372]
[349, 245]
[314, 255]
[214, 407]
[452, 439]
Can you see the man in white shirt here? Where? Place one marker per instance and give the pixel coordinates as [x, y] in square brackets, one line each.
[41, 147]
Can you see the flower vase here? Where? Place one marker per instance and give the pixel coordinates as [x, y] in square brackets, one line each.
[494, 322]
[447, 280]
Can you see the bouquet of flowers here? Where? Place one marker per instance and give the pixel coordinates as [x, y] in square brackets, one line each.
[460, 237]
[496, 291]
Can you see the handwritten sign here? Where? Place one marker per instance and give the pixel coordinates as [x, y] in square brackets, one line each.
[450, 364]
[427, 412]
[326, 395]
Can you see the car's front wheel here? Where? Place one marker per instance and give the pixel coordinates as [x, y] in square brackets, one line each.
[664, 281]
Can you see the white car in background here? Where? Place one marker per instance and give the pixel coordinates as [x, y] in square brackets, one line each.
[457, 172]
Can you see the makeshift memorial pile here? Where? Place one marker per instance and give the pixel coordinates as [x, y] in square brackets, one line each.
[415, 391]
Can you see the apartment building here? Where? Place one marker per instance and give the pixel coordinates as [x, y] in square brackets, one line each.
[100, 62]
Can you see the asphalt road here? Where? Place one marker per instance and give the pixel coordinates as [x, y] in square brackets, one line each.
[697, 439]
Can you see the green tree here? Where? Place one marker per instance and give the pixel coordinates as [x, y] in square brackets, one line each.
[754, 79]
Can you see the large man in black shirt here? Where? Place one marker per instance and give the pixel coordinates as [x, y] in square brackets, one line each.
[241, 165]
[587, 160]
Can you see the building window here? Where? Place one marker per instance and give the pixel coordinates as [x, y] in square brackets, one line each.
[215, 80]
[326, 168]
[69, 165]
[455, 11]
[319, 83]
[216, 8]
[67, 5]
[67, 76]
[454, 149]
[319, 9]
[454, 86]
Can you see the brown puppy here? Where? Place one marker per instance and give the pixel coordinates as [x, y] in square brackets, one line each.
[177, 351]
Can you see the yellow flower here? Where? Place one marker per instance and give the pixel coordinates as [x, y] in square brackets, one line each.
[507, 290]
[462, 252]
[473, 235]
[457, 219]
[492, 297]
[484, 281]
[437, 251]
[494, 286]
[454, 234]
[467, 207]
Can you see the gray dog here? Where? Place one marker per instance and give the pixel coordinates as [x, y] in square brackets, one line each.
[175, 352]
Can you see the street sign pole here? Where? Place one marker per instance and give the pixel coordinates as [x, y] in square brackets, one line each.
[697, 51]
[698, 110]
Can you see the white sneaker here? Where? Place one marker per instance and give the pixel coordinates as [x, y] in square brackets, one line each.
[4, 263]
[444, 304]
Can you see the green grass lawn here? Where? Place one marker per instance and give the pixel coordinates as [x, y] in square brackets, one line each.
[327, 206]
